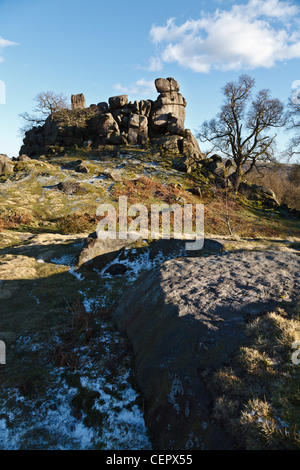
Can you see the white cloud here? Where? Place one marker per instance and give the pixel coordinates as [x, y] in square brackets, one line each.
[5, 43]
[141, 87]
[257, 34]
[155, 64]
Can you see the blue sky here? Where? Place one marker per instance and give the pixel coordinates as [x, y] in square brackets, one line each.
[103, 48]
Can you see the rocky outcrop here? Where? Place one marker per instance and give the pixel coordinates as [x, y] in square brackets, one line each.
[160, 123]
[186, 318]
[259, 193]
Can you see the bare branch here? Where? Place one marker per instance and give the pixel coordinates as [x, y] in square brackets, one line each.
[240, 130]
[47, 103]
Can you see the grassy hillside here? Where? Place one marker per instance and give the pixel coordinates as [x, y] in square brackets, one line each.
[66, 363]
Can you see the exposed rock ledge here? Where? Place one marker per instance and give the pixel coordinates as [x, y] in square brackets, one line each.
[187, 316]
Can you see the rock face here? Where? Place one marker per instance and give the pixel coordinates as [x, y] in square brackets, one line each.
[160, 123]
[78, 101]
[185, 318]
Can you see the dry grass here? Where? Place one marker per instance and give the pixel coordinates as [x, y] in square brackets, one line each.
[257, 397]
[225, 212]
[147, 191]
[65, 354]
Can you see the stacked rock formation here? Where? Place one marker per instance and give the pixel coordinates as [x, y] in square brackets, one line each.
[168, 111]
[78, 101]
[160, 123]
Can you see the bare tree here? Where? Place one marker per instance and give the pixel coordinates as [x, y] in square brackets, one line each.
[47, 103]
[293, 124]
[241, 129]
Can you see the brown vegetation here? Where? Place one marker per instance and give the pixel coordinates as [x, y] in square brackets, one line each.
[77, 223]
[146, 191]
[14, 218]
[283, 180]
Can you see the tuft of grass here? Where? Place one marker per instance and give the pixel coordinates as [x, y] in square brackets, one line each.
[65, 354]
[257, 397]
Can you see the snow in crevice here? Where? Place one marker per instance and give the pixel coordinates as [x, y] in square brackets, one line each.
[50, 424]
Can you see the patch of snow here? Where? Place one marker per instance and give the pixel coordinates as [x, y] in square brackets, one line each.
[137, 265]
[89, 303]
[65, 260]
[74, 272]
[51, 425]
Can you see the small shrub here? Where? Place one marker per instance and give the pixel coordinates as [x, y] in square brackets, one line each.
[14, 218]
[77, 223]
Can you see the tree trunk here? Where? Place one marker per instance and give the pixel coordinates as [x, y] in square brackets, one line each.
[237, 178]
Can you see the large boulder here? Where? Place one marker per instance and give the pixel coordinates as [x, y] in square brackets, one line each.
[107, 127]
[137, 129]
[145, 107]
[185, 164]
[187, 317]
[68, 187]
[117, 102]
[167, 85]
[6, 165]
[23, 158]
[259, 193]
[97, 252]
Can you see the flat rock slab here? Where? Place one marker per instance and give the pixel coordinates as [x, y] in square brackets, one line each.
[187, 316]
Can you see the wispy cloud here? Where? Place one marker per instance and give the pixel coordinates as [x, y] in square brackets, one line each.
[260, 33]
[141, 87]
[5, 43]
